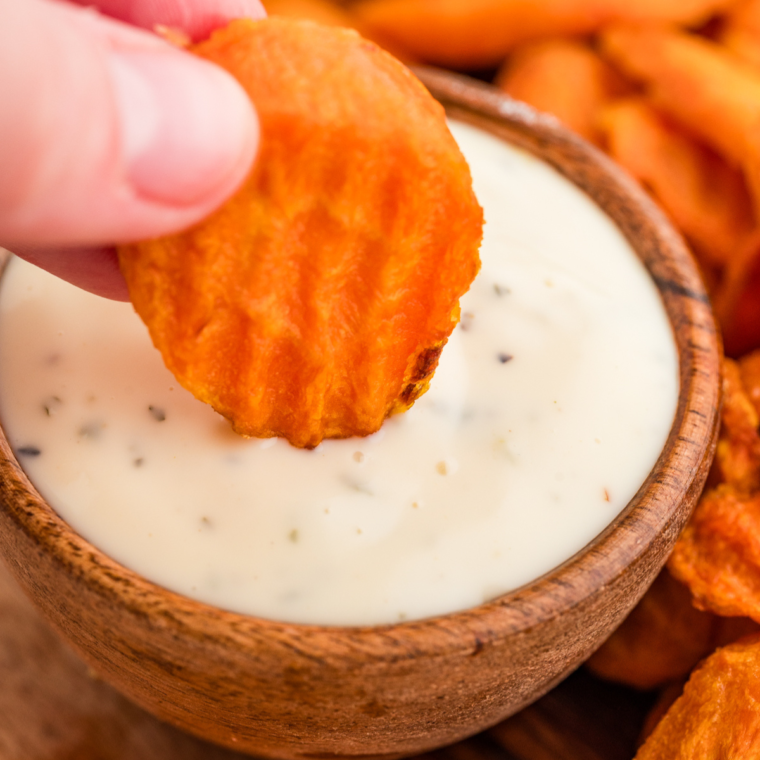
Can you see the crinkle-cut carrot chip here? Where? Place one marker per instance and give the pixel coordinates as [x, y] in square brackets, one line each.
[718, 714]
[315, 303]
[718, 554]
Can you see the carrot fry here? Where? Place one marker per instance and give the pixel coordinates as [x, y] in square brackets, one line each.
[706, 198]
[717, 715]
[315, 302]
[470, 34]
[563, 77]
[699, 83]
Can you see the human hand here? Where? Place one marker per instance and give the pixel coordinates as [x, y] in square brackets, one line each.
[109, 134]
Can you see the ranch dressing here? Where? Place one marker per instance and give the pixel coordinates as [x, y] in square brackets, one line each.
[552, 401]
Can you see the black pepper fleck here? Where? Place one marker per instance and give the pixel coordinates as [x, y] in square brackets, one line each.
[504, 357]
[29, 451]
[501, 290]
[138, 462]
[90, 430]
[50, 406]
[159, 415]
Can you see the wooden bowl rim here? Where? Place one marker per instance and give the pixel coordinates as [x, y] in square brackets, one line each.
[692, 438]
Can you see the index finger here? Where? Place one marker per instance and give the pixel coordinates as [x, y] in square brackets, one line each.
[197, 18]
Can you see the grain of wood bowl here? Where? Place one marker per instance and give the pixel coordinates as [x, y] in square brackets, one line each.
[302, 691]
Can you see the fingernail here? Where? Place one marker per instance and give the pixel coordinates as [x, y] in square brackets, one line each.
[187, 128]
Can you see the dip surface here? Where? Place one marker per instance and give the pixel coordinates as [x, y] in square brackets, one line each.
[551, 404]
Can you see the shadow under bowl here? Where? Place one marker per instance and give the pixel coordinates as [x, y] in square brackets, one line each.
[303, 691]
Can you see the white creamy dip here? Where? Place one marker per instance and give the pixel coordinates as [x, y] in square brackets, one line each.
[551, 404]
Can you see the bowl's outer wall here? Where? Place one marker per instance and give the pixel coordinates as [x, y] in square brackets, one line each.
[290, 691]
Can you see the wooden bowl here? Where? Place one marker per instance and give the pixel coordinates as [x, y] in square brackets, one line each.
[304, 691]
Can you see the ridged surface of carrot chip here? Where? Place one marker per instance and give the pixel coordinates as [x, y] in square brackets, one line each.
[315, 302]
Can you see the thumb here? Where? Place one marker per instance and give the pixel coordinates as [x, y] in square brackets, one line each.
[108, 134]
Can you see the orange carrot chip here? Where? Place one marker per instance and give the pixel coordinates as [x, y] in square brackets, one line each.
[718, 554]
[317, 300]
[717, 715]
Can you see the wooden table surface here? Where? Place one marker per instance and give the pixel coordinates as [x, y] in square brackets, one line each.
[53, 708]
